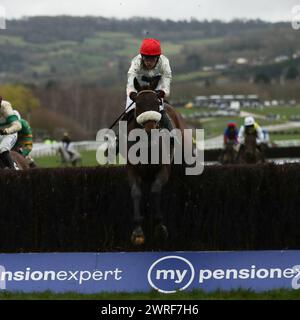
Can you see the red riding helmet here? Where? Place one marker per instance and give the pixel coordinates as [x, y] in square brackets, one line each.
[231, 124]
[150, 47]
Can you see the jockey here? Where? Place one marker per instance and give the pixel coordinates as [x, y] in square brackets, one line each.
[9, 126]
[150, 63]
[67, 144]
[66, 140]
[250, 126]
[24, 142]
[231, 134]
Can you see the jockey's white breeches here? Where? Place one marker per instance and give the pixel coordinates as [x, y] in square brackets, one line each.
[7, 142]
[129, 101]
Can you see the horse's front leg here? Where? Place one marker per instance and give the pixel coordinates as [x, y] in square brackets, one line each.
[137, 236]
[160, 232]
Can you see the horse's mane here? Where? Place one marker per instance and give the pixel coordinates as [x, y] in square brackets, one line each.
[251, 136]
[146, 90]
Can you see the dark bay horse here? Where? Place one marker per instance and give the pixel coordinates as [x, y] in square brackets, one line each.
[146, 116]
[249, 152]
[19, 160]
[229, 155]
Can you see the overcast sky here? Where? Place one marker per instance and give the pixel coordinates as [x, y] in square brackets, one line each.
[271, 10]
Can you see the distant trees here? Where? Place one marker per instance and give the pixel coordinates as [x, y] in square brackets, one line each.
[10, 60]
[48, 29]
[98, 50]
[193, 62]
[21, 98]
[292, 73]
[262, 78]
[89, 105]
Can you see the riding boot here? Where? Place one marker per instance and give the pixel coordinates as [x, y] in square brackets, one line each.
[7, 160]
[165, 121]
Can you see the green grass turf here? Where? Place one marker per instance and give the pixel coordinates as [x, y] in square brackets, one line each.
[280, 294]
[88, 160]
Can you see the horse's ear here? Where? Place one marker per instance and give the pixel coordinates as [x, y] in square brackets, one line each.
[137, 85]
[154, 82]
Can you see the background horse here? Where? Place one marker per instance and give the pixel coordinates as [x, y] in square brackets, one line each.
[249, 152]
[67, 158]
[19, 160]
[229, 155]
[146, 116]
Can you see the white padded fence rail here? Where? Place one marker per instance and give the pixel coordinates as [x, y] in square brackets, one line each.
[42, 150]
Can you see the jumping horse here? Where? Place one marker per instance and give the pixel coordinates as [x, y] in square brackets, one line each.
[249, 153]
[146, 116]
[20, 162]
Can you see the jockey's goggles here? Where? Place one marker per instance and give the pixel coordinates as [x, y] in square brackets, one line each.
[150, 57]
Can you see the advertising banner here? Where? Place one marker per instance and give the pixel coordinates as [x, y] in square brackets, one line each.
[166, 272]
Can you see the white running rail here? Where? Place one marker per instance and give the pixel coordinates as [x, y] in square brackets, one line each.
[42, 150]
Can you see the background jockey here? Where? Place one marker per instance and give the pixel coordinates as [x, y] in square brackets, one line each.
[24, 142]
[250, 126]
[9, 126]
[145, 66]
[231, 134]
[67, 144]
[66, 140]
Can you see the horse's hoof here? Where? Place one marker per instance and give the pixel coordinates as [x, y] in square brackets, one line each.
[138, 237]
[138, 241]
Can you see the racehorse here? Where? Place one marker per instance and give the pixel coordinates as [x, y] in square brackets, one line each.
[249, 152]
[146, 116]
[229, 155]
[20, 162]
[67, 158]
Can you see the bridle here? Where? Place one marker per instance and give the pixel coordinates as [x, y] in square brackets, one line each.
[150, 115]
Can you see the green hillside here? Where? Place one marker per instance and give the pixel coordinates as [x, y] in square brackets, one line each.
[71, 64]
[99, 50]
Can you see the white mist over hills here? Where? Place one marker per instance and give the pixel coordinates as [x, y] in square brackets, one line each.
[227, 10]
